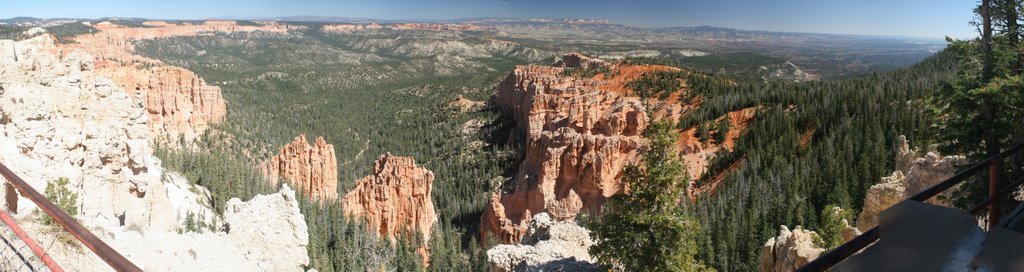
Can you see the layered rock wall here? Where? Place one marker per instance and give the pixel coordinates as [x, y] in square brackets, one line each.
[61, 120]
[312, 167]
[580, 133]
[179, 103]
[578, 137]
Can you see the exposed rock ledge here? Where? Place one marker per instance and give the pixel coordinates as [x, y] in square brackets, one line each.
[913, 174]
[792, 249]
[547, 246]
[789, 251]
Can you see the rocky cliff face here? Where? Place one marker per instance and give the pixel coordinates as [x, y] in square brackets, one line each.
[548, 245]
[578, 138]
[793, 249]
[178, 103]
[395, 198]
[59, 118]
[913, 174]
[789, 251]
[311, 167]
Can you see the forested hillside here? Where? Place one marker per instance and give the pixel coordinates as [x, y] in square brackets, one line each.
[499, 136]
[366, 101]
[812, 144]
[852, 124]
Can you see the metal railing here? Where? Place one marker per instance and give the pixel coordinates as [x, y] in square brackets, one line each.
[993, 163]
[19, 252]
[101, 249]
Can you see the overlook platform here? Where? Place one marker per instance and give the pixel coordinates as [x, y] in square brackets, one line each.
[913, 235]
[916, 236]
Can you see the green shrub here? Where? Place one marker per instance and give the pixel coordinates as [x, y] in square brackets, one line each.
[830, 235]
[57, 192]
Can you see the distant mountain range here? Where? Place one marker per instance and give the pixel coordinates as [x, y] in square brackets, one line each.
[720, 32]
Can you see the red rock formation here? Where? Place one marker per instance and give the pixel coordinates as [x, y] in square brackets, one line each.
[580, 134]
[311, 167]
[579, 137]
[395, 198]
[179, 103]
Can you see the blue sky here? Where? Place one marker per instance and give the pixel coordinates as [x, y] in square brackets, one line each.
[921, 18]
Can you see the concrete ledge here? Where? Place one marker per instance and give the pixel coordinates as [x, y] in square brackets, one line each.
[916, 236]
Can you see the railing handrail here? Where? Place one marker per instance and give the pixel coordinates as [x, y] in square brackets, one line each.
[29, 242]
[101, 249]
[833, 257]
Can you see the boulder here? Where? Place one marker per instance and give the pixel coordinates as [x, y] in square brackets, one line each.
[548, 245]
[789, 251]
[272, 228]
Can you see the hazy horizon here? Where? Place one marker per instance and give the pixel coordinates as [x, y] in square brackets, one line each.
[916, 18]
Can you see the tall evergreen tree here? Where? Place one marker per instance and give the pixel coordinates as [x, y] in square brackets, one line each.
[646, 229]
[977, 109]
[722, 130]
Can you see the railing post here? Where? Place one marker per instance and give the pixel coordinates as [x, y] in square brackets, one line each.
[993, 193]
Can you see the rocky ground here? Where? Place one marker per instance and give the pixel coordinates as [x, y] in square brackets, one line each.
[548, 245]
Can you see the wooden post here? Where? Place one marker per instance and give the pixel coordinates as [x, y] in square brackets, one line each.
[993, 193]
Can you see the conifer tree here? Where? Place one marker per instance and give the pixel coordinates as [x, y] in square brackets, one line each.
[722, 130]
[646, 229]
[980, 108]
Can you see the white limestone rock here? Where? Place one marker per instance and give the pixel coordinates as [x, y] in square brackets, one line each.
[59, 119]
[913, 174]
[547, 246]
[789, 251]
[272, 228]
